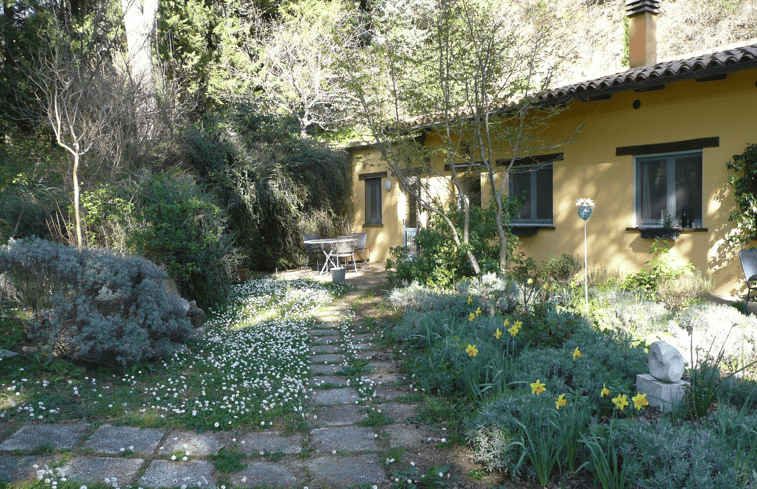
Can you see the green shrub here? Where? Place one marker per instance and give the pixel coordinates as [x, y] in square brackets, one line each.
[94, 305]
[169, 220]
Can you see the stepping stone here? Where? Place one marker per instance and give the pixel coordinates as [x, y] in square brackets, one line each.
[328, 380]
[340, 414]
[326, 348]
[96, 469]
[363, 337]
[162, 473]
[14, 468]
[362, 346]
[320, 333]
[327, 359]
[379, 366]
[325, 369]
[367, 355]
[271, 442]
[398, 412]
[327, 340]
[33, 436]
[387, 393]
[343, 438]
[409, 435]
[191, 443]
[344, 395]
[343, 472]
[115, 439]
[387, 378]
[263, 474]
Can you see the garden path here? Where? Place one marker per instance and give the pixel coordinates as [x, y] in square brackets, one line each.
[345, 443]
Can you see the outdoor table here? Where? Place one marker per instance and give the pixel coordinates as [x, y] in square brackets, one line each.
[328, 246]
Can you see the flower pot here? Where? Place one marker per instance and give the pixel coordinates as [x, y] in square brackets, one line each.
[241, 275]
[660, 233]
[337, 275]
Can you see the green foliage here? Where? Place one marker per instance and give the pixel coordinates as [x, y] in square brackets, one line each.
[744, 184]
[663, 267]
[93, 305]
[228, 461]
[412, 478]
[169, 220]
[276, 186]
[441, 262]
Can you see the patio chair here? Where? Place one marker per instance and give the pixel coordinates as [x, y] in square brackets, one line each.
[362, 248]
[344, 248]
[748, 260]
[313, 251]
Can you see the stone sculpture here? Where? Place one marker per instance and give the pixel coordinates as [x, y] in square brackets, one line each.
[665, 362]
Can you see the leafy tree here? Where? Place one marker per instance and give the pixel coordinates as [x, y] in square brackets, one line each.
[744, 183]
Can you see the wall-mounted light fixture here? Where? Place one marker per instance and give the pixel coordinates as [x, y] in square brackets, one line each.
[388, 184]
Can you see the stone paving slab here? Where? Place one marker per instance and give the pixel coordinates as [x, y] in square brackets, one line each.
[387, 378]
[367, 354]
[339, 414]
[271, 442]
[364, 337]
[329, 380]
[327, 340]
[325, 369]
[116, 439]
[195, 473]
[409, 435]
[343, 438]
[387, 393]
[327, 359]
[33, 436]
[192, 444]
[325, 332]
[379, 366]
[343, 472]
[326, 348]
[264, 474]
[344, 395]
[398, 412]
[14, 468]
[97, 469]
[363, 346]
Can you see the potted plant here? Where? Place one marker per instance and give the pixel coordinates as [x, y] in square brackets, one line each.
[666, 231]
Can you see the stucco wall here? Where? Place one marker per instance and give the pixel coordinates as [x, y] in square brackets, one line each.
[685, 110]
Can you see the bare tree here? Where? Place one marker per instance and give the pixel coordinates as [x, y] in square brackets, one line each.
[463, 74]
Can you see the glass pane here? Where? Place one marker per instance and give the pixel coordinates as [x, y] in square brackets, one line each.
[373, 200]
[473, 190]
[412, 206]
[689, 186]
[652, 187]
[544, 193]
[520, 187]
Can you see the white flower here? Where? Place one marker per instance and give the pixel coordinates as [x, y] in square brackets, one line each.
[581, 202]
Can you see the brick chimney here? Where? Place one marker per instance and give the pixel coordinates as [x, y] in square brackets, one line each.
[642, 31]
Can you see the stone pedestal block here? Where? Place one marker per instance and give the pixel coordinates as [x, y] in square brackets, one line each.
[660, 394]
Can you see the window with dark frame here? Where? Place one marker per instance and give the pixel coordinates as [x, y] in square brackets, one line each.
[373, 201]
[534, 185]
[668, 184]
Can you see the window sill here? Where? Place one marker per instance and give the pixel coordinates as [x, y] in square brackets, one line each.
[373, 225]
[648, 232]
[525, 230]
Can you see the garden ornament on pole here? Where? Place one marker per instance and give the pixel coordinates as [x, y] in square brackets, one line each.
[584, 212]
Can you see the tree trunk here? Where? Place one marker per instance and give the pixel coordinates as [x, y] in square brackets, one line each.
[77, 215]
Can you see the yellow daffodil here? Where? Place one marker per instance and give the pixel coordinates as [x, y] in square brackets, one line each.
[471, 350]
[478, 311]
[515, 328]
[537, 387]
[561, 401]
[498, 334]
[640, 400]
[576, 354]
[471, 316]
[620, 401]
[470, 300]
[605, 392]
[507, 323]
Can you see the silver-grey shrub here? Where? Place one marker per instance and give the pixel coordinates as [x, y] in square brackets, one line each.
[95, 305]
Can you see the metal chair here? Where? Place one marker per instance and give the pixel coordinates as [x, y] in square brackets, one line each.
[748, 260]
[313, 250]
[362, 248]
[344, 248]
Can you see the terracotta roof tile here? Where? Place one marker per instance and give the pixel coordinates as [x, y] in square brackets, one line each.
[645, 75]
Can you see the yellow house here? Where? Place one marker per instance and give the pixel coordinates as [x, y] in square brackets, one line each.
[655, 139]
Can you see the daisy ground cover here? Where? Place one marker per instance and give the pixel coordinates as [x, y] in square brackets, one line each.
[250, 369]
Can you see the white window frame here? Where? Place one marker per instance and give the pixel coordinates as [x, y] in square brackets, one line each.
[654, 221]
[534, 191]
